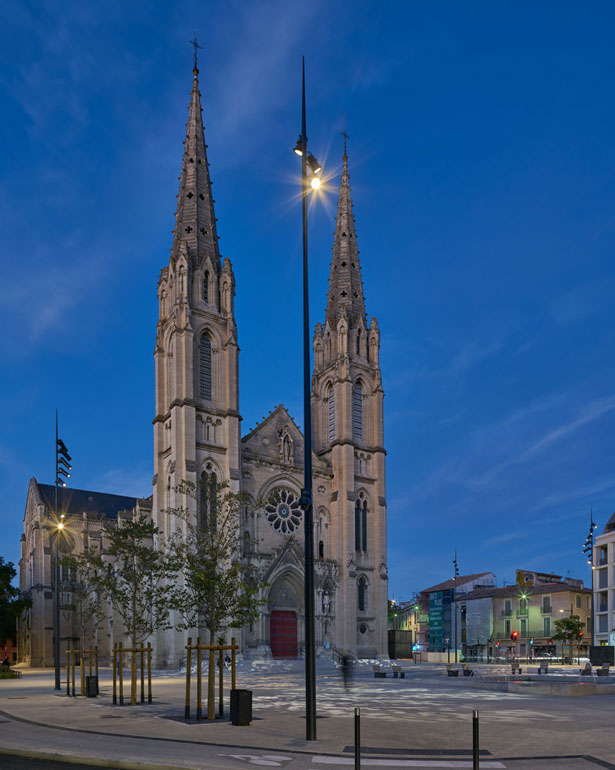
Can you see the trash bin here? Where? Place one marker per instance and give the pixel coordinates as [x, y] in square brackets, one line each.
[91, 686]
[241, 707]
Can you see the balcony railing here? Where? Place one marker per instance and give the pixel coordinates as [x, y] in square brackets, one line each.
[546, 609]
[523, 613]
[506, 613]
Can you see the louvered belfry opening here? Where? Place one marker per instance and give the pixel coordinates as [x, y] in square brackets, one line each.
[205, 368]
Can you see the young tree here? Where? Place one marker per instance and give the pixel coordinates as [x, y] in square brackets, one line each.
[568, 630]
[131, 574]
[88, 606]
[219, 591]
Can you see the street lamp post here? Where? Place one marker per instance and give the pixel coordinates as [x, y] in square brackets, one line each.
[62, 471]
[456, 566]
[306, 492]
[588, 550]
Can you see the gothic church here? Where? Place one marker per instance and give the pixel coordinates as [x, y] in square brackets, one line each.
[197, 431]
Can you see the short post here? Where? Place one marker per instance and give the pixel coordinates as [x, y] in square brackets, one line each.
[188, 667]
[133, 677]
[357, 739]
[233, 651]
[211, 684]
[475, 741]
[68, 673]
[121, 666]
[142, 659]
[149, 672]
[114, 673]
[220, 682]
[199, 679]
[82, 670]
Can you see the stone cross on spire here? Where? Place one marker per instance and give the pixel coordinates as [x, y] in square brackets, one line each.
[195, 219]
[345, 282]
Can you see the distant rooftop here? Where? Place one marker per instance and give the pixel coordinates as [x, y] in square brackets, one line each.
[79, 501]
[448, 585]
[515, 590]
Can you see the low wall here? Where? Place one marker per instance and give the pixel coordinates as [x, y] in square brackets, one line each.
[440, 657]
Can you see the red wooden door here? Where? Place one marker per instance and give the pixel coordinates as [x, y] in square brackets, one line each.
[283, 634]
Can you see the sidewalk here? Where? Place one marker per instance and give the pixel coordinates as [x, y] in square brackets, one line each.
[422, 713]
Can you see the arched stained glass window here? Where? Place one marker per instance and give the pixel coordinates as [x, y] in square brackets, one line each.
[362, 594]
[364, 525]
[205, 369]
[331, 413]
[357, 412]
[209, 500]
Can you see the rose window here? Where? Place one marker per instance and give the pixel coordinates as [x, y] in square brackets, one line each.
[283, 511]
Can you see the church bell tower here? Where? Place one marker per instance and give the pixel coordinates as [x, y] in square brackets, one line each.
[347, 398]
[197, 422]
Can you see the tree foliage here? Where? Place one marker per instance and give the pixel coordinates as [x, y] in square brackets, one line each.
[11, 605]
[89, 609]
[218, 591]
[131, 574]
[567, 630]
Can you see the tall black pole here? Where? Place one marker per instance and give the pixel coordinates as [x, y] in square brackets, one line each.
[306, 495]
[591, 564]
[56, 573]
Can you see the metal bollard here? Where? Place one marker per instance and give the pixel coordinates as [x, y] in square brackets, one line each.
[357, 739]
[475, 741]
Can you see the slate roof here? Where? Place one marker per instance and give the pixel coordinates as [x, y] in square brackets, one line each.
[447, 585]
[515, 590]
[78, 501]
[610, 525]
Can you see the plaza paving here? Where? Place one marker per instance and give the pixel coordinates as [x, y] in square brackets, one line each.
[423, 721]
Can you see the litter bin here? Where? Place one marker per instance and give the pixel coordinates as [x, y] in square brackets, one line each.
[91, 686]
[241, 707]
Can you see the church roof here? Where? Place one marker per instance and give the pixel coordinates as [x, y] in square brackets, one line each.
[79, 501]
[195, 220]
[345, 282]
[277, 410]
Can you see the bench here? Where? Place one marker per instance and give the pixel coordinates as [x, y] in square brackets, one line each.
[515, 668]
[467, 671]
[603, 670]
[586, 670]
[379, 672]
[398, 672]
[450, 671]
[543, 669]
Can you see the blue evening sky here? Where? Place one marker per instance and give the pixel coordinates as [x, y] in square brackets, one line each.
[482, 161]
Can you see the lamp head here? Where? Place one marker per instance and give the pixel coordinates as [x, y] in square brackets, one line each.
[315, 183]
[298, 150]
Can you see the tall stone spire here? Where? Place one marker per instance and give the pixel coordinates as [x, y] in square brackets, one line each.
[195, 220]
[345, 282]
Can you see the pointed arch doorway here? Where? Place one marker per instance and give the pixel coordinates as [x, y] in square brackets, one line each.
[283, 634]
[285, 607]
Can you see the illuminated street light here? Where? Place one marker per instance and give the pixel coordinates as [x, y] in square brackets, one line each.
[306, 493]
[63, 467]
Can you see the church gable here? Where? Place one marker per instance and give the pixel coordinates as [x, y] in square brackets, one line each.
[277, 439]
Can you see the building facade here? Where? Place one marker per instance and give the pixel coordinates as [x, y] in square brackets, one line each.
[604, 585]
[197, 434]
[488, 616]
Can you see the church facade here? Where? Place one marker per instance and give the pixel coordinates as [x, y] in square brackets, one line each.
[197, 433]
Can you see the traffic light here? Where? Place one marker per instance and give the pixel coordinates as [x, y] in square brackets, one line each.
[580, 635]
[514, 636]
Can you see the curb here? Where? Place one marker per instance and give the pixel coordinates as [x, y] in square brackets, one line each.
[75, 760]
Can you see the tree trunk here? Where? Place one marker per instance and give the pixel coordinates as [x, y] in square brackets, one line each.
[211, 679]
